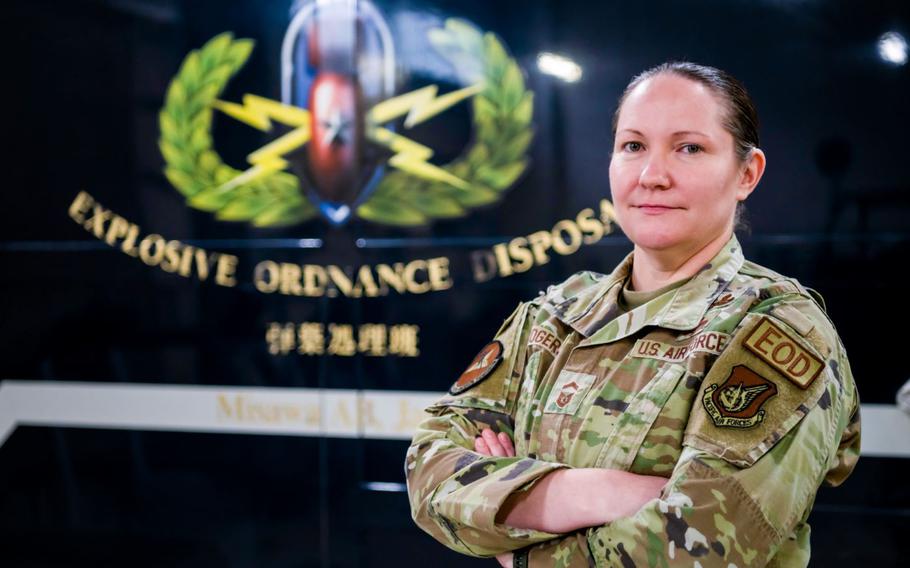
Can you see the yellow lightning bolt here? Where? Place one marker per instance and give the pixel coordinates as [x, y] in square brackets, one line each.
[258, 112]
[410, 156]
[423, 104]
[420, 105]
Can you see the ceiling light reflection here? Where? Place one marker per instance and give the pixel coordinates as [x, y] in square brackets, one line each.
[559, 66]
[892, 47]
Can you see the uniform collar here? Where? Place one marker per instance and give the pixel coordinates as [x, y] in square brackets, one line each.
[680, 309]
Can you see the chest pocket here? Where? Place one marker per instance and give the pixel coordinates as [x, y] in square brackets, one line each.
[621, 447]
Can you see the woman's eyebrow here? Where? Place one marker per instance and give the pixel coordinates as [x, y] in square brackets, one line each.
[676, 134]
[689, 133]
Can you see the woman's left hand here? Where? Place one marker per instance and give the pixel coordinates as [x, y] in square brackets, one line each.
[505, 559]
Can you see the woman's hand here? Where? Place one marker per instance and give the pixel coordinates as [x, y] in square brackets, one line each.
[490, 443]
[505, 559]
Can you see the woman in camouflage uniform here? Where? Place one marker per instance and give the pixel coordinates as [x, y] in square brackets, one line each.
[681, 411]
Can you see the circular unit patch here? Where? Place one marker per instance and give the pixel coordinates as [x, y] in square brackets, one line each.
[482, 365]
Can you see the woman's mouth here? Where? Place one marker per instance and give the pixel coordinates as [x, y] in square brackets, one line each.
[655, 209]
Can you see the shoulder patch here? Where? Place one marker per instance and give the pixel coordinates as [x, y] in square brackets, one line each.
[737, 402]
[480, 368]
[761, 386]
[785, 353]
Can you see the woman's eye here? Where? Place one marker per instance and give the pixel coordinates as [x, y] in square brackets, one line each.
[632, 146]
[692, 148]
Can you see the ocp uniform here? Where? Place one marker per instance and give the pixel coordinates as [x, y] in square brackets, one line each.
[734, 386]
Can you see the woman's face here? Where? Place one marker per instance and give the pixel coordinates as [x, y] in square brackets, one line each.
[674, 176]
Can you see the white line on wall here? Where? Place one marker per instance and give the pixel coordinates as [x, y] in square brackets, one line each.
[338, 413]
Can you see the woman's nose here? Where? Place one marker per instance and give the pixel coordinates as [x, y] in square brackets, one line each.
[655, 174]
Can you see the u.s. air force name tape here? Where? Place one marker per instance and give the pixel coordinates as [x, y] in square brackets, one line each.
[337, 413]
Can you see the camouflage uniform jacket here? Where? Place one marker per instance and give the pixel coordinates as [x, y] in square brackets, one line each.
[734, 386]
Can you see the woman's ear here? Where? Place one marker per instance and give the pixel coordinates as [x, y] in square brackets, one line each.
[750, 174]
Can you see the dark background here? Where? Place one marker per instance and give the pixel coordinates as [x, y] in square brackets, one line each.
[85, 82]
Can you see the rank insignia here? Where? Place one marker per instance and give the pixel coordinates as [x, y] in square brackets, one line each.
[482, 365]
[737, 402]
[568, 392]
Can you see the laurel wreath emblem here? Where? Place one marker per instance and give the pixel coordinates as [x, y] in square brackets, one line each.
[492, 163]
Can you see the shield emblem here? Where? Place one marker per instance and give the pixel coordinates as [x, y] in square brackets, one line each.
[335, 131]
[338, 61]
[737, 402]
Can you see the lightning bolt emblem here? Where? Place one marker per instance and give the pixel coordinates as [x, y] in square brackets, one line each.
[258, 112]
[412, 157]
[420, 105]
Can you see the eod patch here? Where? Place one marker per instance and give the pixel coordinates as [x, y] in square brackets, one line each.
[780, 350]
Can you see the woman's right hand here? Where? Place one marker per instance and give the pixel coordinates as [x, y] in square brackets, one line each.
[490, 443]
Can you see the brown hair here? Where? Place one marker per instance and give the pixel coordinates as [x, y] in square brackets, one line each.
[740, 120]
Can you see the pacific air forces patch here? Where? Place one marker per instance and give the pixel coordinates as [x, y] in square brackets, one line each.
[738, 400]
[480, 368]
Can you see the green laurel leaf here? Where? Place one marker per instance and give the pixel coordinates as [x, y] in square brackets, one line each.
[245, 207]
[391, 212]
[478, 195]
[496, 158]
[192, 165]
[501, 177]
[525, 109]
[282, 215]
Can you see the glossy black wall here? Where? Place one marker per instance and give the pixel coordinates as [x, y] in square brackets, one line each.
[86, 81]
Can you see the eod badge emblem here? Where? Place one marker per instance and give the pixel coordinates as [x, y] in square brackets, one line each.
[340, 141]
